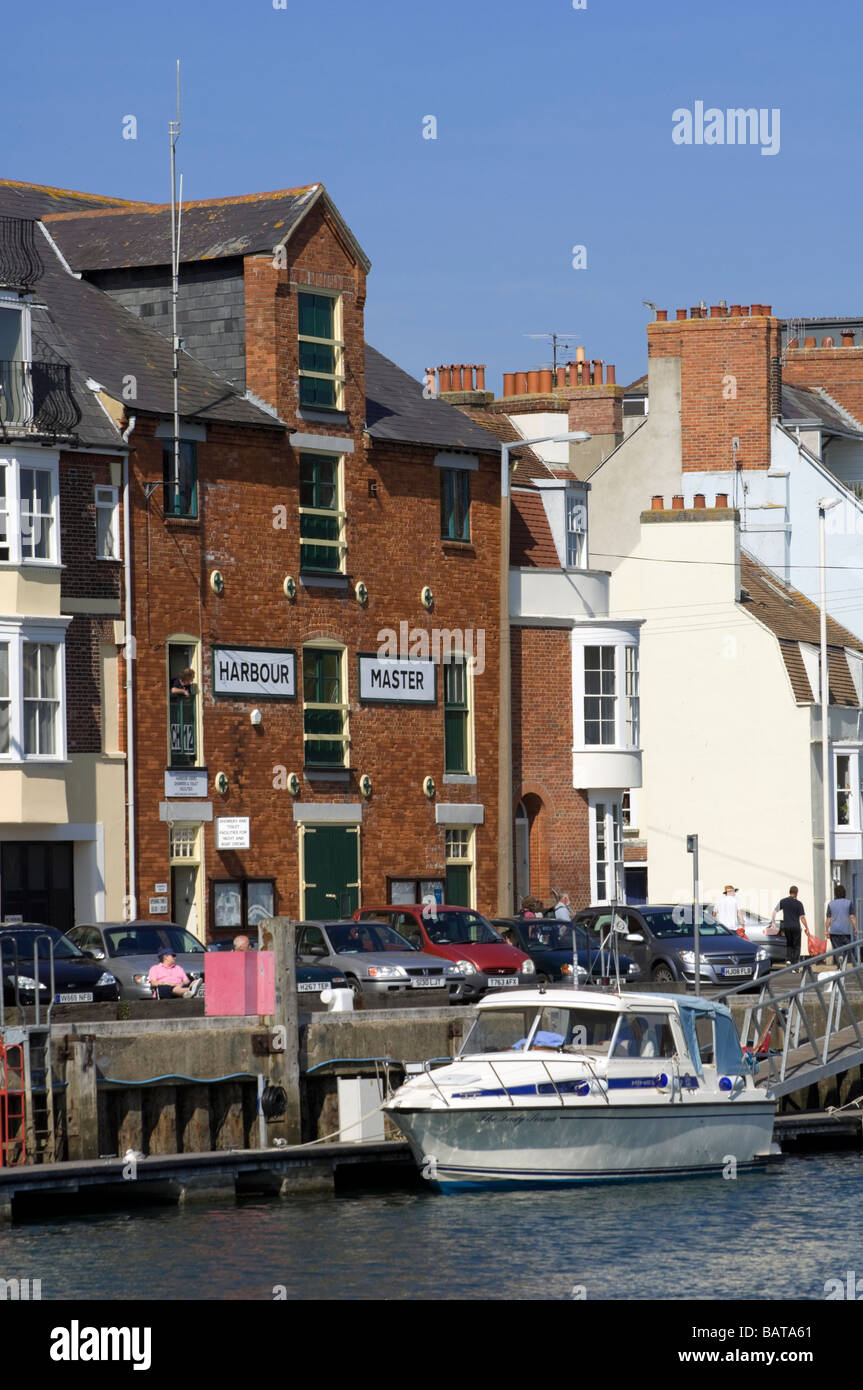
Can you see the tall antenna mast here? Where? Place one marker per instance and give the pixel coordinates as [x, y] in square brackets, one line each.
[176, 219]
[562, 338]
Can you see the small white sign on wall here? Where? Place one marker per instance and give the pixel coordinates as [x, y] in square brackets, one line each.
[158, 906]
[232, 832]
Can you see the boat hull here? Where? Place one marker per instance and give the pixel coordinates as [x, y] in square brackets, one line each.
[541, 1145]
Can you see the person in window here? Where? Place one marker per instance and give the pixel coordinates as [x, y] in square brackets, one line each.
[182, 683]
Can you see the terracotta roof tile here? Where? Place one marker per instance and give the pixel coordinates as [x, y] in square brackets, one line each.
[529, 466]
[531, 543]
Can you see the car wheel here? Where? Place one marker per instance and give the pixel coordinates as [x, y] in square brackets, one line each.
[356, 990]
[663, 975]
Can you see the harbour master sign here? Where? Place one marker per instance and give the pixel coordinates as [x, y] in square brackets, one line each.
[256, 672]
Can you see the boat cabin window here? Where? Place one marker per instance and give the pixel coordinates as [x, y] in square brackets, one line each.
[573, 1030]
[643, 1035]
[499, 1030]
[704, 1034]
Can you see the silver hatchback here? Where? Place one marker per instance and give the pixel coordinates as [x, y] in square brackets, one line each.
[376, 960]
[131, 950]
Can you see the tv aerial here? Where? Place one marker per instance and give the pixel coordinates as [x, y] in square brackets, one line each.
[562, 340]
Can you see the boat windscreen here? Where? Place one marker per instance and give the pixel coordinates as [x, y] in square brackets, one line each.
[514, 1030]
[499, 1030]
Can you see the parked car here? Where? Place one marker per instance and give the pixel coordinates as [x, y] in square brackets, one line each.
[131, 949]
[376, 960]
[548, 942]
[759, 931]
[25, 960]
[311, 979]
[458, 934]
[660, 937]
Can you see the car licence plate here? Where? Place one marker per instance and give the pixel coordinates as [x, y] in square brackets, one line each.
[436, 982]
[313, 987]
[736, 970]
[73, 998]
[499, 982]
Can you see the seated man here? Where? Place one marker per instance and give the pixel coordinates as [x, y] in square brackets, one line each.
[169, 980]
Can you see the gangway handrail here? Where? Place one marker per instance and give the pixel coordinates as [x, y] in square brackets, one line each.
[786, 1003]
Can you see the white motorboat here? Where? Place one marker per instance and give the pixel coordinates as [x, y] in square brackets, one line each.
[576, 1086]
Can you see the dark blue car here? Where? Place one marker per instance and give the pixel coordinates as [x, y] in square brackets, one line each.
[548, 942]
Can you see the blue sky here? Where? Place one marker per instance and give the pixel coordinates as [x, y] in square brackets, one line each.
[553, 130]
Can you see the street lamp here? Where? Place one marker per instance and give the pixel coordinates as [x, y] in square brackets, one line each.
[504, 744]
[825, 504]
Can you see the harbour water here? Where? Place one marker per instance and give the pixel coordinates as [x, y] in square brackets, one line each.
[774, 1236]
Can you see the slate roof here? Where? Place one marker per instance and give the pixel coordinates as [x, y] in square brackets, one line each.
[528, 465]
[793, 619]
[32, 200]
[397, 410]
[213, 228]
[530, 540]
[800, 405]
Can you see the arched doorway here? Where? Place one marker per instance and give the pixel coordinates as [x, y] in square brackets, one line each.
[522, 853]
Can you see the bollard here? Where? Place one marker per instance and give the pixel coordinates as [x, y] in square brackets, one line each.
[278, 934]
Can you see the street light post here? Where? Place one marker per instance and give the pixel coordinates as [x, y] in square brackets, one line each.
[504, 744]
[692, 848]
[825, 504]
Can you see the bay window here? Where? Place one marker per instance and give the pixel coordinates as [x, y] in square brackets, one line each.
[32, 689]
[607, 696]
[606, 851]
[29, 512]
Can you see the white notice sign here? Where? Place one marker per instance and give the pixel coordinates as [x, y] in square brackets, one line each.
[397, 681]
[232, 832]
[158, 905]
[188, 781]
[250, 673]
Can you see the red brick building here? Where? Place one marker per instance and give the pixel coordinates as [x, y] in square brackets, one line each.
[315, 576]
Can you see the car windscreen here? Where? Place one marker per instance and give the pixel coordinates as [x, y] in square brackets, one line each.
[25, 944]
[669, 922]
[460, 929]
[551, 935]
[147, 941]
[353, 938]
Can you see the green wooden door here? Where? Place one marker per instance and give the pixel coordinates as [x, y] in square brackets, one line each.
[331, 870]
[458, 885]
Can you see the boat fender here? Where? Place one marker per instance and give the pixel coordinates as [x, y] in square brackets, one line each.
[725, 1083]
[583, 1088]
[661, 1081]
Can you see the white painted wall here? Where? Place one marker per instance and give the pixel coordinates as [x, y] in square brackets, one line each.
[565, 594]
[534, 426]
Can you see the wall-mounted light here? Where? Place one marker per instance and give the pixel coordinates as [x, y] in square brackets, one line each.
[221, 783]
[255, 717]
[426, 597]
[290, 587]
[217, 582]
[293, 783]
[429, 787]
[365, 785]
[361, 592]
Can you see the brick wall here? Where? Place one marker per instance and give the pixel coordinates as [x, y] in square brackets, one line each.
[542, 763]
[83, 682]
[729, 384]
[394, 547]
[838, 370]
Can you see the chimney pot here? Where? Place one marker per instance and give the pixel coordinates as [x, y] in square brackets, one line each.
[795, 343]
[657, 504]
[721, 499]
[662, 316]
[716, 311]
[695, 311]
[610, 375]
[533, 382]
[444, 378]
[561, 378]
[809, 343]
[829, 342]
[847, 337]
[546, 380]
[744, 311]
[466, 376]
[480, 378]
[521, 383]
[677, 503]
[699, 501]
[680, 314]
[431, 380]
[579, 354]
[767, 310]
[735, 311]
[509, 383]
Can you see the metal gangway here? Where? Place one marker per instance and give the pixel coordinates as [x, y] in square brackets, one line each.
[803, 1027]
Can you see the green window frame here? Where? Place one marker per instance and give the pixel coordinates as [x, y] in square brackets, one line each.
[320, 351]
[456, 717]
[322, 519]
[180, 493]
[325, 711]
[455, 504]
[183, 745]
[460, 856]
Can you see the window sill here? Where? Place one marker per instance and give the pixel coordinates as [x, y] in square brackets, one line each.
[324, 581]
[322, 414]
[451, 547]
[323, 774]
[185, 523]
[34, 761]
[459, 779]
[31, 565]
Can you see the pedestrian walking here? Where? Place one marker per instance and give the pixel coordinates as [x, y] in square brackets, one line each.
[729, 909]
[562, 912]
[793, 916]
[841, 923]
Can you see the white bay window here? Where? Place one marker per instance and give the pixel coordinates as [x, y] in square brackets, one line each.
[29, 511]
[32, 690]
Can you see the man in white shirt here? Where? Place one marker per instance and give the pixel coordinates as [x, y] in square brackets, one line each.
[729, 909]
[562, 912]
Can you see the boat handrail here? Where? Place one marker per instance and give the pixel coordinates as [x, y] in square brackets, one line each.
[427, 1072]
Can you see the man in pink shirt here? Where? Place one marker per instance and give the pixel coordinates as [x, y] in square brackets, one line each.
[168, 978]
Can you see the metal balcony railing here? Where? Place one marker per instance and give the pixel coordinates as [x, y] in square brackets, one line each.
[37, 397]
[20, 262]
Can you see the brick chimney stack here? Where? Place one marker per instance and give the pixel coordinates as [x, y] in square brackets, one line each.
[730, 381]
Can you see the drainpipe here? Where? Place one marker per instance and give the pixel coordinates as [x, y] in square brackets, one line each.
[131, 902]
[825, 504]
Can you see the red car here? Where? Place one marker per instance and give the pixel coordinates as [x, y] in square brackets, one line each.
[458, 934]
